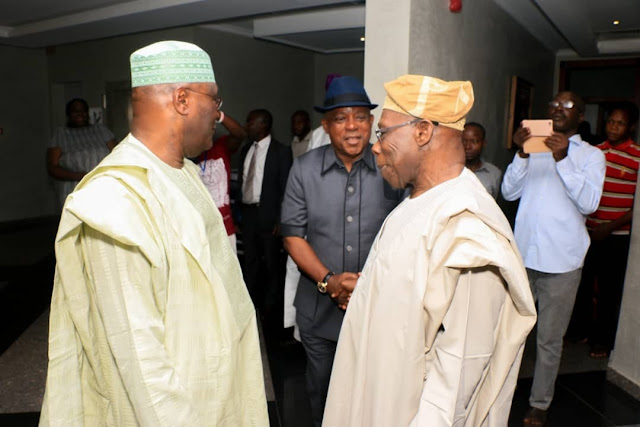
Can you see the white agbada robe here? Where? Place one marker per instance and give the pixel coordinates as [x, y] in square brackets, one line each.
[435, 329]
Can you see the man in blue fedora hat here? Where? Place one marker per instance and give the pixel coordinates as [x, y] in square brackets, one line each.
[334, 205]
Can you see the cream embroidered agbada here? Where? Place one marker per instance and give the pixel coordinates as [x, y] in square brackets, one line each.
[151, 323]
[435, 329]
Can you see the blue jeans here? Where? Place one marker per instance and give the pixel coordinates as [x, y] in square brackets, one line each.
[555, 294]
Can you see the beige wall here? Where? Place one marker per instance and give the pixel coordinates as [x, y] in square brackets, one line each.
[481, 44]
[257, 74]
[416, 36]
[387, 51]
[251, 74]
[486, 46]
[92, 64]
[345, 64]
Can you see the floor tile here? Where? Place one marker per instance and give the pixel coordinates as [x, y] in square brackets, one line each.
[29, 419]
[583, 396]
[594, 390]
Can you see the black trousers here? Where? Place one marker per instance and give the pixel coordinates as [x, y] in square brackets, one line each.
[320, 353]
[599, 297]
[261, 267]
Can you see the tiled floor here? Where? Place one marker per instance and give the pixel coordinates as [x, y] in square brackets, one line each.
[582, 399]
[583, 396]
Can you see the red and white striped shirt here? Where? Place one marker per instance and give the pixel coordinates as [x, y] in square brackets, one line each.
[619, 184]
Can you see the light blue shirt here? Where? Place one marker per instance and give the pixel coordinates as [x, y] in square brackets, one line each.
[490, 176]
[555, 198]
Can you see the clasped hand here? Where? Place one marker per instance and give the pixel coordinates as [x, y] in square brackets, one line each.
[340, 286]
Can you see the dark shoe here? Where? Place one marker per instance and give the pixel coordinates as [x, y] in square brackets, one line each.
[598, 352]
[535, 417]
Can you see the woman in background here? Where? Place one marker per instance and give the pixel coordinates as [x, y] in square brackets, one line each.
[76, 148]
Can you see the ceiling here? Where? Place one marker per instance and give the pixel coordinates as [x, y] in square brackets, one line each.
[581, 26]
[585, 27]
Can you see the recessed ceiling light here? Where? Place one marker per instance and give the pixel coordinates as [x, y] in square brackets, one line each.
[362, 38]
[616, 22]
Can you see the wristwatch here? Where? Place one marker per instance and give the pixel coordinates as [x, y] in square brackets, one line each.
[322, 285]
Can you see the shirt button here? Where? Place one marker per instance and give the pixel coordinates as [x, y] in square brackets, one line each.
[349, 218]
[349, 248]
[350, 189]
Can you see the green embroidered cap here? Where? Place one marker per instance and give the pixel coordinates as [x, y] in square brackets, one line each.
[170, 61]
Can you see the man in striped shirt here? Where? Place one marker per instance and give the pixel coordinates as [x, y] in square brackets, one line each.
[609, 228]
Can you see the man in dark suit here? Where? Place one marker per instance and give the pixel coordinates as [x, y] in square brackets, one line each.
[334, 205]
[265, 168]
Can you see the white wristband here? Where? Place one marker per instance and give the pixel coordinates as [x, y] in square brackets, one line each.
[221, 118]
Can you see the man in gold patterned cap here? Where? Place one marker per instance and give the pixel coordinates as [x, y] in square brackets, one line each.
[151, 323]
[435, 329]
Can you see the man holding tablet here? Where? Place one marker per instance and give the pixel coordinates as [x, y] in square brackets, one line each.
[557, 190]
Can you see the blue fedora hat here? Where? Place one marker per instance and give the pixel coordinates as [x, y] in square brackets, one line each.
[345, 91]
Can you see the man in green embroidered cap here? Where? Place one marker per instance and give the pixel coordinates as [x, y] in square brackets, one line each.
[151, 323]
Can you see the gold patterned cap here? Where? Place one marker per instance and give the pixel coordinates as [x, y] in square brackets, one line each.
[170, 61]
[429, 98]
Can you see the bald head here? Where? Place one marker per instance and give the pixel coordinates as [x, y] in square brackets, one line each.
[175, 120]
[152, 107]
[146, 97]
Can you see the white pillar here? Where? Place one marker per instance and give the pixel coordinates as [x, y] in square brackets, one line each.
[386, 54]
[626, 354]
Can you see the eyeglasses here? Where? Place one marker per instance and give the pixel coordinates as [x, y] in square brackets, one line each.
[381, 132]
[565, 104]
[216, 99]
